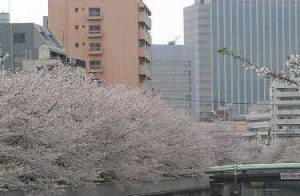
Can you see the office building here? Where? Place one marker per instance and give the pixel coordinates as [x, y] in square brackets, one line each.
[22, 42]
[265, 32]
[171, 74]
[4, 17]
[111, 36]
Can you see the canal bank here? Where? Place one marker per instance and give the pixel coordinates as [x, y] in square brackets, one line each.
[179, 188]
[182, 187]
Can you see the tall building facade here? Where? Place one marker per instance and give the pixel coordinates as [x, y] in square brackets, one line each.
[171, 71]
[111, 36]
[263, 31]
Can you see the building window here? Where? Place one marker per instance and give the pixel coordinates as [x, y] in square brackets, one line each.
[76, 10]
[76, 27]
[76, 45]
[95, 64]
[95, 46]
[142, 78]
[83, 26]
[19, 38]
[94, 29]
[95, 11]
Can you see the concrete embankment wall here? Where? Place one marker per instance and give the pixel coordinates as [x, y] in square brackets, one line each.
[183, 187]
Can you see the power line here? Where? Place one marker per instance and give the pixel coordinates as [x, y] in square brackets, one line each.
[221, 102]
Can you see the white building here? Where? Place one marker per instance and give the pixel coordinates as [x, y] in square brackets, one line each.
[285, 101]
[259, 122]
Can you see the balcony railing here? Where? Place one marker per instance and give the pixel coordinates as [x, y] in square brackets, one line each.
[145, 52]
[144, 34]
[144, 70]
[143, 17]
[95, 51]
[94, 16]
[288, 94]
[95, 34]
[288, 112]
[287, 102]
[92, 69]
[288, 121]
[287, 132]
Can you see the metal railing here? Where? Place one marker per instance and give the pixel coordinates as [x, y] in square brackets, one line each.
[244, 167]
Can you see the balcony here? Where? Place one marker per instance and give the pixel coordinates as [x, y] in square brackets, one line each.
[258, 117]
[141, 4]
[288, 121]
[91, 52]
[288, 112]
[143, 17]
[144, 70]
[145, 52]
[288, 94]
[100, 70]
[287, 133]
[95, 34]
[291, 102]
[145, 35]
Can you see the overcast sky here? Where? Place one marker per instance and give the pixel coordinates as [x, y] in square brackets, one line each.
[167, 15]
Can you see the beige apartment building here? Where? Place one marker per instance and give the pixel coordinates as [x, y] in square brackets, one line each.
[112, 36]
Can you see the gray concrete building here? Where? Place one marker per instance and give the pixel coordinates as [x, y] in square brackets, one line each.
[22, 42]
[171, 71]
[263, 31]
[4, 17]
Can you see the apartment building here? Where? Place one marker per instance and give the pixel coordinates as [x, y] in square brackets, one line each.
[111, 36]
[285, 112]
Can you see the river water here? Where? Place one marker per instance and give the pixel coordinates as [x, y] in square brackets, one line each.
[272, 190]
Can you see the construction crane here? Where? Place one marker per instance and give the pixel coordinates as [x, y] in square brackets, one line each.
[173, 42]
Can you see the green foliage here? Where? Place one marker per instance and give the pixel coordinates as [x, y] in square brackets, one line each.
[223, 51]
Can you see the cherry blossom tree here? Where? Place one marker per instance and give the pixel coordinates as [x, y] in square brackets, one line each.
[58, 129]
[283, 152]
[232, 147]
[293, 62]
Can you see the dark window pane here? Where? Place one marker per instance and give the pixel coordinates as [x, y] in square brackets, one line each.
[94, 29]
[94, 11]
[19, 38]
[95, 47]
[95, 64]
